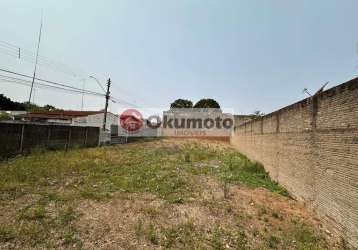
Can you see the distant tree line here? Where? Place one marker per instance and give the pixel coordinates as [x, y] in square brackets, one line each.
[205, 104]
[202, 104]
[7, 104]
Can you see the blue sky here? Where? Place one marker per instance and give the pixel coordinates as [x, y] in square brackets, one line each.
[248, 55]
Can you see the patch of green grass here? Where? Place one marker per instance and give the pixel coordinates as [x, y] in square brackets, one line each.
[216, 239]
[7, 233]
[151, 212]
[306, 238]
[252, 174]
[32, 233]
[36, 212]
[10, 190]
[187, 157]
[36, 226]
[47, 197]
[69, 238]
[181, 234]
[233, 167]
[92, 194]
[241, 240]
[147, 231]
[151, 234]
[272, 241]
[96, 173]
[65, 216]
[302, 236]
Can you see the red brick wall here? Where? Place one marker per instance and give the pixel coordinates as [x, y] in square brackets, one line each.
[311, 148]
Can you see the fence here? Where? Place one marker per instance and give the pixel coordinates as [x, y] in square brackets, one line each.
[17, 138]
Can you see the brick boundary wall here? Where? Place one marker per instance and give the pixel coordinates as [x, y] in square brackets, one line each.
[16, 138]
[311, 148]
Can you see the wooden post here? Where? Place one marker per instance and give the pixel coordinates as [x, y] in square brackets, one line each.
[48, 135]
[22, 137]
[68, 138]
[86, 134]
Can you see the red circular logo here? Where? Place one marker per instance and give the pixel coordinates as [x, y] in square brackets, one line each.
[131, 120]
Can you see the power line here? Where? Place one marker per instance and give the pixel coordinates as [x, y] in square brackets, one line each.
[28, 59]
[61, 87]
[51, 82]
[27, 56]
[28, 83]
[78, 90]
[10, 53]
[30, 53]
[99, 84]
[8, 44]
[74, 72]
[120, 100]
[30, 56]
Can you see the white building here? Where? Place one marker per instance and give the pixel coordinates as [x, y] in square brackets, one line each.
[96, 120]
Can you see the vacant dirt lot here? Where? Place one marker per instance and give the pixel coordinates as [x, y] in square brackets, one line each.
[163, 194]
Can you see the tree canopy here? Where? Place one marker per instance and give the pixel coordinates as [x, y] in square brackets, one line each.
[201, 104]
[7, 104]
[207, 103]
[181, 103]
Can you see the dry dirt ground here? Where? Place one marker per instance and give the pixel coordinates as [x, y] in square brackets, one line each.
[197, 200]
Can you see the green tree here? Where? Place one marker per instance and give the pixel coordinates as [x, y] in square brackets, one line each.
[181, 103]
[32, 107]
[7, 104]
[207, 103]
[48, 107]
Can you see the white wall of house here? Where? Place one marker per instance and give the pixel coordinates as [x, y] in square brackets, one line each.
[96, 120]
[13, 114]
[59, 121]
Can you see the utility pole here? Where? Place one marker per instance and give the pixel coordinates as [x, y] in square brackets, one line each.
[106, 106]
[37, 55]
[83, 88]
